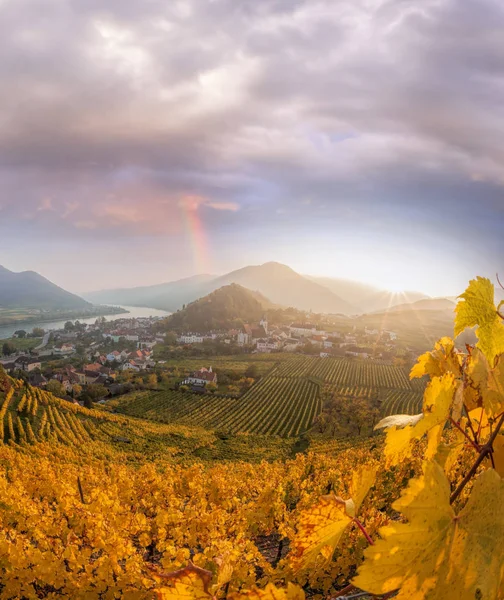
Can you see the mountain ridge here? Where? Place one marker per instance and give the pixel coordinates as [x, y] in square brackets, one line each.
[29, 289]
[279, 283]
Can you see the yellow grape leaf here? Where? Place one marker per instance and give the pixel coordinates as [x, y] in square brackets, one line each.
[443, 359]
[439, 555]
[189, 583]
[436, 410]
[477, 308]
[498, 454]
[271, 592]
[320, 527]
[448, 454]
[485, 385]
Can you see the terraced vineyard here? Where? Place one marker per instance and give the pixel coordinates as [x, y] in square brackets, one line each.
[401, 402]
[275, 406]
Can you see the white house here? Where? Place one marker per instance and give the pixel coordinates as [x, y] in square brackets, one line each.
[201, 377]
[304, 329]
[267, 345]
[190, 338]
[129, 366]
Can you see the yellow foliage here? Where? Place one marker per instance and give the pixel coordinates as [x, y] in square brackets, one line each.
[438, 554]
[477, 309]
[443, 359]
[320, 527]
[436, 410]
[189, 583]
[271, 592]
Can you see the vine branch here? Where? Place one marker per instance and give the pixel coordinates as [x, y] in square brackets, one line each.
[486, 449]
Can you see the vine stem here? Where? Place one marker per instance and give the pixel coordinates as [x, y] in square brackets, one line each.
[473, 443]
[363, 529]
[487, 449]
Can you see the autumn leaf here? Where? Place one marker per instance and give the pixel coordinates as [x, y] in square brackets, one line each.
[477, 309]
[443, 359]
[485, 385]
[320, 527]
[271, 592]
[436, 410]
[189, 583]
[437, 554]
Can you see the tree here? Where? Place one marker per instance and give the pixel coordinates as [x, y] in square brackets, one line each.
[211, 387]
[96, 390]
[76, 390]
[20, 333]
[251, 371]
[8, 348]
[152, 381]
[69, 326]
[38, 332]
[55, 387]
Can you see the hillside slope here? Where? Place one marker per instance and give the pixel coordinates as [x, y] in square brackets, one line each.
[165, 296]
[282, 285]
[30, 290]
[229, 306]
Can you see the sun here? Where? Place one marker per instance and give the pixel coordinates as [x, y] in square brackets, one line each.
[395, 288]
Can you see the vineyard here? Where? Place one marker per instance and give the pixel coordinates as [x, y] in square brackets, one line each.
[274, 406]
[283, 403]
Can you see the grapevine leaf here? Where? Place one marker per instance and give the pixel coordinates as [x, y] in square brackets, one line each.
[443, 359]
[189, 583]
[439, 555]
[436, 410]
[485, 384]
[398, 421]
[271, 592]
[477, 308]
[320, 527]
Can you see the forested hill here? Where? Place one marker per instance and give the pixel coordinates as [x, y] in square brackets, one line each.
[229, 306]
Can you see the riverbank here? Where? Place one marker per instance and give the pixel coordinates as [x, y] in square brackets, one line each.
[129, 312]
[29, 316]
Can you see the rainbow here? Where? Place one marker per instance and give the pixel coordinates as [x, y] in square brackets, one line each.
[196, 233]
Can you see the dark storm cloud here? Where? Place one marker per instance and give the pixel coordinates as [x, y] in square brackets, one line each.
[113, 114]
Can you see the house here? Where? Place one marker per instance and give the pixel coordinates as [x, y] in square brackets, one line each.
[114, 356]
[201, 377]
[37, 379]
[244, 336]
[317, 340]
[267, 345]
[292, 344]
[304, 329]
[359, 352]
[130, 366]
[190, 338]
[27, 363]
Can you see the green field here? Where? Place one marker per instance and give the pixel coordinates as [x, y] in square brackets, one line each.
[22, 343]
[283, 403]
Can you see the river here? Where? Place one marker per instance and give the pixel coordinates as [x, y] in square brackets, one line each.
[6, 331]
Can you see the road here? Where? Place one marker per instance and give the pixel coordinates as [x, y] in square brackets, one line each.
[44, 342]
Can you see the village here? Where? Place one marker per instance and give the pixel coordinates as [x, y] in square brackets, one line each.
[87, 363]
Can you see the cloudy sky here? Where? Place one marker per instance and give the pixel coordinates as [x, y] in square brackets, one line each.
[146, 140]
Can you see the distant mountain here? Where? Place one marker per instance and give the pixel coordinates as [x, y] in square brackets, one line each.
[279, 283]
[165, 296]
[366, 298]
[229, 306]
[282, 285]
[30, 290]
